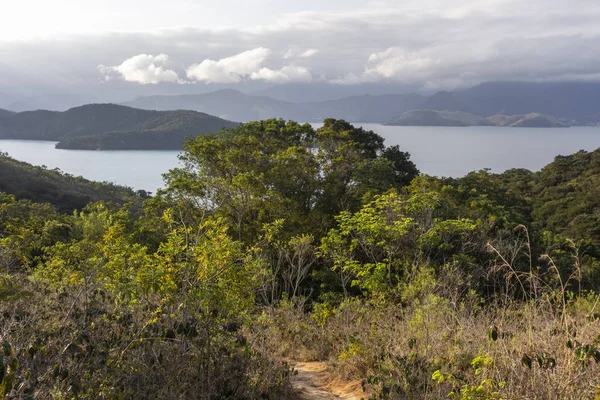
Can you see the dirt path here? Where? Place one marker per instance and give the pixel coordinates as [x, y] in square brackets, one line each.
[314, 381]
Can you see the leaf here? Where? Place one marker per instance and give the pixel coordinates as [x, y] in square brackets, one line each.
[572, 330]
[540, 359]
[412, 342]
[526, 360]
[7, 348]
[493, 333]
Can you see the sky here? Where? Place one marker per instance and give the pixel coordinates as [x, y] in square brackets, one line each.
[84, 46]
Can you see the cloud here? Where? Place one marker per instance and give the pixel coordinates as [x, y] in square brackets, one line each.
[398, 63]
[309, 53]
[348, 79]
[230, 69]
[143, 68]
[427, 43]
[246, 65]
[288, 54]
[286, 74]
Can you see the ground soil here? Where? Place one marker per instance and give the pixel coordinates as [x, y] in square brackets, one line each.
[313, 380]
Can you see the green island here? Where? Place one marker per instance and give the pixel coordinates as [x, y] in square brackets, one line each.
[277, 244]
[110, 127]
[461, 118]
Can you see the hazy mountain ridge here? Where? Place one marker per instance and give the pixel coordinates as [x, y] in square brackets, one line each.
[577, 103]
[365, 108]
[323, 91]
[238, 106]
[148, 127]
[444, 101]
[5, 113]
[226, 103]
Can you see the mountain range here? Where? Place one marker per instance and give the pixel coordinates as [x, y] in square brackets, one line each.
[574, 102]
[234, 105]
[110, 126]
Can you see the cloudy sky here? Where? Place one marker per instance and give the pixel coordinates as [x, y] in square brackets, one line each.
[81, 46]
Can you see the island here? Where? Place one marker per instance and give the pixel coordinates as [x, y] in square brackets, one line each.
[110, 127]
[425, 117]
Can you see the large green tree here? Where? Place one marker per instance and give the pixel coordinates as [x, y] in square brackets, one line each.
[264, 171]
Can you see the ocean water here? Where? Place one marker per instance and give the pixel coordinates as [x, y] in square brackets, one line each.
[441, 151]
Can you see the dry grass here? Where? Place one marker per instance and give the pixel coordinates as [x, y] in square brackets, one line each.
[397, 349]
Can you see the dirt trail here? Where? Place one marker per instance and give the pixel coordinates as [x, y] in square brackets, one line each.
[314, 381]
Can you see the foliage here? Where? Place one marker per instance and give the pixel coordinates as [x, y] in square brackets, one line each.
[65, 192]
[279, 242]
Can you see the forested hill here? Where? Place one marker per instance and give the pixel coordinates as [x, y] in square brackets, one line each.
[64, 191]
[117, 126]
[566, 196]
[5, 113]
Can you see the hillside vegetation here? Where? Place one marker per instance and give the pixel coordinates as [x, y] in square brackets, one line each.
[276, 242]
[65, 192]
[95, 126]
[461, 118]
[533, 120]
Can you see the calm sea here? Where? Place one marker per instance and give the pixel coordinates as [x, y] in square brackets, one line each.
[441, 151]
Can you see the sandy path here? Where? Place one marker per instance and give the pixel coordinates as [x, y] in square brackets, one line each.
[313, 381]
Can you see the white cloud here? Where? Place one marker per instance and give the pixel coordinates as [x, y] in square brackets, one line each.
[288, 54]
[309, 53]
[246, 65]
[286, 74]
[348, 79]
[398, 63]
[230, 69]
[143, 68]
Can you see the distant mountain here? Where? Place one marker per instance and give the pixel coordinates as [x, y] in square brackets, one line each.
[533, 120]
[5, 113]
[52, 102]
[322, 91]
[438, 118]
[576, 103]
[364, 108]
[572, 101]
[110, 126]
[227, 103]
[237, 106]
[444, 101]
